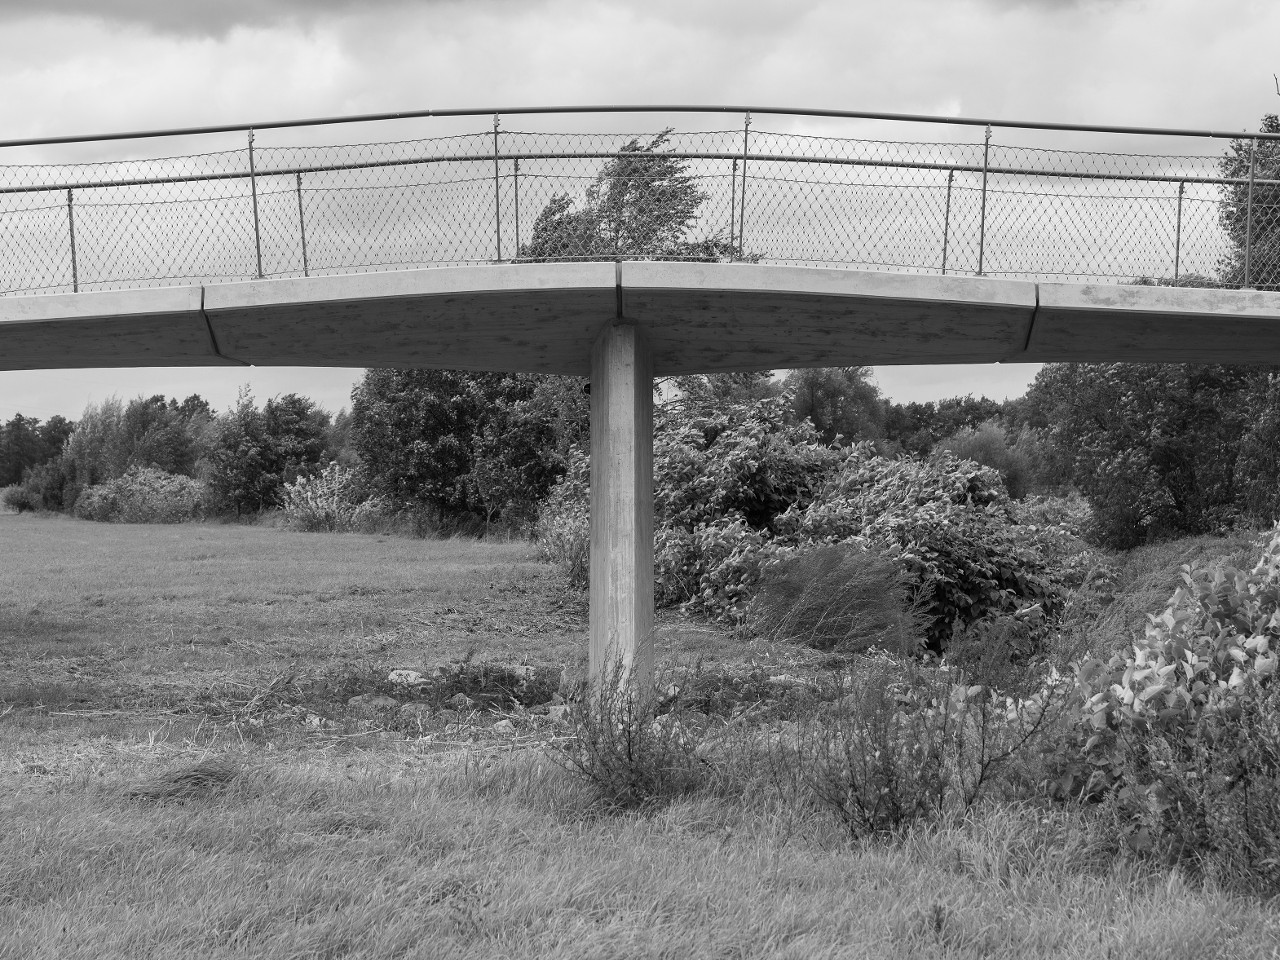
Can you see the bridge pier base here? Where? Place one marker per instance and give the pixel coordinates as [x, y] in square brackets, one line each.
[621, 594]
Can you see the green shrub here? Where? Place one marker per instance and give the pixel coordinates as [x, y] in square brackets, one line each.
[563, 530]
[1179, 733]
[989, 444]
[743, 461]
[839, 597]
[330, 501]
[909, 741]
[947, 522]
[734, 494]
[637, 749]
[712, 569]
[18, 497]
[143, 496]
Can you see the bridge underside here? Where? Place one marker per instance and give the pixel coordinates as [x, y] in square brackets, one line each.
[697, 317]
[622, 324]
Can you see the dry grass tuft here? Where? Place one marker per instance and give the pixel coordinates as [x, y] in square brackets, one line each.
[200, 781]
[840, 598]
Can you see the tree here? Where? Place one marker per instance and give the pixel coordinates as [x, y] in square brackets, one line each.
[710, 391]
[1153, 447]
[485, 444]
[1263, 235]
[297, 431]
[1014, 456]
[155, 435]
[524, 442]
[917, 427]
[256, 452]
[642, 204]
[25, 442]
[240, 458]
[841, 402]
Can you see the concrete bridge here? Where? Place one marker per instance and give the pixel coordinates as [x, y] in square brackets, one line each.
[619, 320]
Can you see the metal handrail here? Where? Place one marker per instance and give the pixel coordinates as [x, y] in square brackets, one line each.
[646, 108]
[989, 229]
[609, 155]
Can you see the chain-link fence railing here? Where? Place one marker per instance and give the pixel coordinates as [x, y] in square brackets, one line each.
[976, 206]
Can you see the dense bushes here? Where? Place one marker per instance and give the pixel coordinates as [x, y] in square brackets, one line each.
[1169, 747]
[741, 488]
[479, 445]
[142, 496]
[17, 497]
[330, 501]
[947, 522]
[1179, 734]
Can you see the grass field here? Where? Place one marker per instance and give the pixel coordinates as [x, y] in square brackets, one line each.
[181, 776]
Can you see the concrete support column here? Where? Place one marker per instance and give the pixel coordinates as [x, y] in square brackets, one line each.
[621, 508]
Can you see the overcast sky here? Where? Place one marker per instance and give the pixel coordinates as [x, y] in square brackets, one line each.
[78, 66]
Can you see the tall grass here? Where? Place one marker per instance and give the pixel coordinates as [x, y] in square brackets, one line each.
[390, 854]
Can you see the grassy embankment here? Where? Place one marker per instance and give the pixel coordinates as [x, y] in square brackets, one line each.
[158, 799]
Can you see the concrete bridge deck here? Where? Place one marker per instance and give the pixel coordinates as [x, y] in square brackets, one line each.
[621, 324]
[696, 317]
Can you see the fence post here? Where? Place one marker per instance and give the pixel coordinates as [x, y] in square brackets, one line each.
[732, 210]
[497, 193]
[253, 188]
[742, 196]
[302, 226]
[515, 183]
[946, 222]
[982, 222]
[71, 224]
[1248, 211]
[1177, 234]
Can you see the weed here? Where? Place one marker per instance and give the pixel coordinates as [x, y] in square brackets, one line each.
[909, 741]
[839, 597]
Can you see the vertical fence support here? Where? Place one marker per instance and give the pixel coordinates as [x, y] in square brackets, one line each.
[732, 210]
[946, 222]
[71, 225]
[253, 189]
[497, 193]
[302, 226]
[515, 183]
[742, 195]
[1248, 212]
[1177, 234]
[982, 216]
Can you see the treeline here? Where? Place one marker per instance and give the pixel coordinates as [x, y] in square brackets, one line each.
[1158, 450]
[240, 459]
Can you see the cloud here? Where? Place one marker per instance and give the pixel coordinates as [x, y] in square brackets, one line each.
[213, 18]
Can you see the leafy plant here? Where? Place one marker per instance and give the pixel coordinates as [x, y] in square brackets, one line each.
[633, 746]
[331, 500]
[1176, 733]
[143, 496]
[911, 741]
[947, 522]
[18, 497]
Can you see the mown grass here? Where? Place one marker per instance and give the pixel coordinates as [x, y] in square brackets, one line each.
[133, 827]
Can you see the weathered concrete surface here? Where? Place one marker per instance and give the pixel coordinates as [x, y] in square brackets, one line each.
[160, 327]
[704, 317]
[696, 317]
[621, 592]
[1100, 322]
[531, 318]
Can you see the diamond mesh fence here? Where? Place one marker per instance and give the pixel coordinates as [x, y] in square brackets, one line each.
[970, 207]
